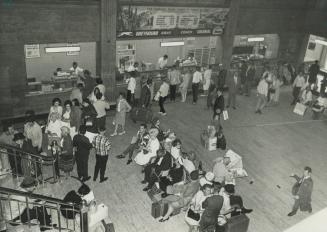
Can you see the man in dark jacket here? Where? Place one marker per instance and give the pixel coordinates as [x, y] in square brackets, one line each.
[233, 83]
[250, 75]
[82, 145]
[313, 71]
[302, 191]
[219, 105]
[146, 94]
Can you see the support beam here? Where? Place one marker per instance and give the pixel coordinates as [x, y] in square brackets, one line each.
[108, 46]
[229, 33]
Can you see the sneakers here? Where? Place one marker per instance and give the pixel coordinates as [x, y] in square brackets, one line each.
[113, 134]
[121, 133]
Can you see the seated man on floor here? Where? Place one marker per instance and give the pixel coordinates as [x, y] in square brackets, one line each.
[181, 195]
[136, 143]
[306, 97]
[319, 106]
[220, 170]
[20, 212]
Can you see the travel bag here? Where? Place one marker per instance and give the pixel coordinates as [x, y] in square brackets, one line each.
[238, 223]
[141, 114]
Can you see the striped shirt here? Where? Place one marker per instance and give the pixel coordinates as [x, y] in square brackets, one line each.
[102, 145]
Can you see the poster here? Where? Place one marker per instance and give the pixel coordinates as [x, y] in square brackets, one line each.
[32, 51]
[142, 21]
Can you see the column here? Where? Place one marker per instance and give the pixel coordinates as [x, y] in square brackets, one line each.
[229, 32]
[108, 46]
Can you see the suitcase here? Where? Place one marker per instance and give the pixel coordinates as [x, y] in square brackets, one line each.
[299, 109]
[238, 223]
[141, 114]
[156, 209]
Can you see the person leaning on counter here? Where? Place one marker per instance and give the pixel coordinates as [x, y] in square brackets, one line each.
[78, 71]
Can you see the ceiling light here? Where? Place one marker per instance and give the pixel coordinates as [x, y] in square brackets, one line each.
[62, 49]
[256, 39]
[171, 44]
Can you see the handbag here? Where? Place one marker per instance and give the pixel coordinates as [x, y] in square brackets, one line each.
[225, 115]
[193, 215]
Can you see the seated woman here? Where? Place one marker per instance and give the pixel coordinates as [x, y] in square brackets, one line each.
[161, 165]
[56, 107]
[175, 175]
[66, 159]
[136, 143]
[193, 218]
[161, 134]
[176, 149]
[306, 97]
[319, 106]
[150, 150]
[181, 195]
[53, 128]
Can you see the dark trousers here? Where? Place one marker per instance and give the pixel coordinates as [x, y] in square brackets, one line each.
[150, 174]
[161, 104]
[297, 205]
[164, 183]
[39, 213]
[100, 165]
[172, 95]
[130, 97]
[247, 88]
[15, 164]
[296, 93]
[195, 91]
[101, 122]
[130, 150]
[82, 166]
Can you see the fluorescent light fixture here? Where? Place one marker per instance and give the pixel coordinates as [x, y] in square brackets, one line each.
[322, 42]
[172, 44]
[256, 39]
[62, 49]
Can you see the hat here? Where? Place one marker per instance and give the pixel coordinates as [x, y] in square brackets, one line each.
[230, 188]
[194, 175]
[18, 136]
[28, 182]
[209, 176]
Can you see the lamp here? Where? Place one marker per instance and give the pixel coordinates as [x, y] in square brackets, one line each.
[256, 39]
[63, 49]
[172, 44]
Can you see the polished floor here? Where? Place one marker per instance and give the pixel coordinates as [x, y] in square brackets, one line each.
[273, 145]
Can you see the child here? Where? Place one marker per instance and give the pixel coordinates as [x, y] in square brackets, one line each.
[122, 108]
[221, 141]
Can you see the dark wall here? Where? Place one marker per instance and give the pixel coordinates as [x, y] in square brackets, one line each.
[21, 24]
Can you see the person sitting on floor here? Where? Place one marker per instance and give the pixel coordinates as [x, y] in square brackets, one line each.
[161, 134]
[150, 150]
[306, 98]
[221, 171]
[175, 176]
[319, 106]
[159, 168]
[221, 141]
[136, 143]
[176, 148]
[181, 195]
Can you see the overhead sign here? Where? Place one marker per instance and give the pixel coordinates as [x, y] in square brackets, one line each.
[141, 21]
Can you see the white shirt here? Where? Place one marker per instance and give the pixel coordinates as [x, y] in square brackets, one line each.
[131, 84]
[54, 127]
[77, 70]
[197, 201]
[197, 77]
[175, 152]
[102, 88]
[162, 62]
[263, 87]
[299, 82]
[306, 97]
[164, 88]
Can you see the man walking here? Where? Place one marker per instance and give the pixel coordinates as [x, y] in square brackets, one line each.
[262, 95]
[102, 146]
[197, 78]
[82, 146]
[174, 80]
[302, 191]
[233, 85]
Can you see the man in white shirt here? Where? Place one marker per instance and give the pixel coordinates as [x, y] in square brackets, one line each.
[131, 84]
[197, 78]
[101, 106]
[262, 95]
[162, 62]
[163, 93]
[77, 71]
[298, 86]
[134, 67]
[174, 80]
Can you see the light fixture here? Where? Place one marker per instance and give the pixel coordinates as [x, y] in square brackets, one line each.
[322, 42]
[63, 49]
[256, 39]
[172, 44]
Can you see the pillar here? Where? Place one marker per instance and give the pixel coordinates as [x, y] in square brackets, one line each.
[108, 46]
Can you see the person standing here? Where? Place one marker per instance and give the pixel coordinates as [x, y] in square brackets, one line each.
[276, 85]
[186, 77]
[233, 85]
[33, 131]
[262, 95]
[131, 85]
[102, 147]
[207, 80]
[162, 62]
[122, 108]
[100, 86]
[163, 93]
[218, 107]
[146, 94]
[174, 80]
[82, 147]
[313, 72]
[77, 71]
[302, 191]
[197, 78]
[77, 93]
[6, 137]
[298, 86]
[101, 106]
[244, 68]
[250, 75]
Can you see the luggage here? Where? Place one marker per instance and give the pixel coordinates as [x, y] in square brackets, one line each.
[209, 143]
[238, 223]
[299, 109]
[155, 193]
[141, 114]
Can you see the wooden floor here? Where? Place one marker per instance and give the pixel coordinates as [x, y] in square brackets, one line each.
[272, 145]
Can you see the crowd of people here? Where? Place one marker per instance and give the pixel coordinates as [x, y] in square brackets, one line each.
[177, 173]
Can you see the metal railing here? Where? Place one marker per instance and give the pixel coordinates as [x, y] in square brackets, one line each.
[25, 208]
[21, 163]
